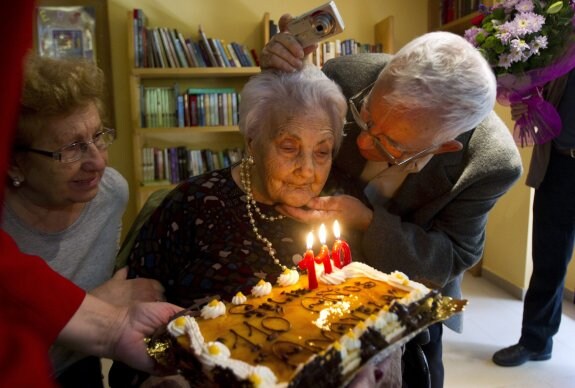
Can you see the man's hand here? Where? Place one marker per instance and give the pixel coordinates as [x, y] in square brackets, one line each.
[517, 110]
[283, 51]
[348, 210]
[120, 291]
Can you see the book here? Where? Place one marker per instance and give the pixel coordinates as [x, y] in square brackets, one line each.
[159, 48]
[180, 50]
[222, 51]
[240, 54]
[232, 53]
[196, 52]
[216, 53]
[206, 48]
[187, 51]
[169, 47]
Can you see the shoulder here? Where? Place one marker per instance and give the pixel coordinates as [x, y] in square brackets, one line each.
[113, 184]
[493, 146]
[354, 72]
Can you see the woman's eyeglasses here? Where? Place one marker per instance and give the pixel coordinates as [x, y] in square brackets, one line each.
[358, 99]
[73, 152]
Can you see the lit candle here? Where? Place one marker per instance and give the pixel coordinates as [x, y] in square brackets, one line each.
[323, 256]
[339, 247]
[308, 263]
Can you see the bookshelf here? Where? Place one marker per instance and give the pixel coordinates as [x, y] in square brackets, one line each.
[458, 19]
[214, 137]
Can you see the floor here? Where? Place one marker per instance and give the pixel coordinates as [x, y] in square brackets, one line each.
[492, 321]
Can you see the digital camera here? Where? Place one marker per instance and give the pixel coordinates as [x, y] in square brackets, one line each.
[317, 24]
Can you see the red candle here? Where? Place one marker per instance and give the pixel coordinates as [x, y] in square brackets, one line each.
[340, 247]
[308, 263]
[323, 256]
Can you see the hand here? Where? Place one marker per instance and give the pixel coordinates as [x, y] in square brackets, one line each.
[101, 329]
[517, 110]
[138, 322]
[346, 209]
[122, 292]
[283, 51]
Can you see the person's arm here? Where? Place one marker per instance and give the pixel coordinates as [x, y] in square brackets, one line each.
[104, 330]
[120, 291]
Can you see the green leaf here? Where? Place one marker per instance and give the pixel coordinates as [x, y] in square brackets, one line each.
[555, 7]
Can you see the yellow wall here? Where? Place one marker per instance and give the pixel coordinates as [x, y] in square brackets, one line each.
[507, 251]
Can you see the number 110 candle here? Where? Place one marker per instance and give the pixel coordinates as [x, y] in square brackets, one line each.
[341, 253]
[308, 263]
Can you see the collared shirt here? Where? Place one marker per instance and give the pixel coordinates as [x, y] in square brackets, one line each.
[384, 179]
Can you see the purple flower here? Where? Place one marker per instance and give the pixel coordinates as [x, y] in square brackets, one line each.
[471, 34]
[528, 23]
[525, 6]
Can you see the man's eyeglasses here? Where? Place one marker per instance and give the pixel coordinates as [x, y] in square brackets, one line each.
[358, 99]
[73, 152]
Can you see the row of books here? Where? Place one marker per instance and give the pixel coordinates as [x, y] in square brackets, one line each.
[175, 164]
[166, 107]
[167, 47]
[331, 49]
[455, 9]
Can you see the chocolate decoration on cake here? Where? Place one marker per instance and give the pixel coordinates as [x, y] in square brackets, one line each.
[296, 337]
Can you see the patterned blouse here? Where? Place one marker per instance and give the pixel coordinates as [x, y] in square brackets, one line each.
[199, 243]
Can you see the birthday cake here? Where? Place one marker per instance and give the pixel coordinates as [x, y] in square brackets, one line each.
[294, 335]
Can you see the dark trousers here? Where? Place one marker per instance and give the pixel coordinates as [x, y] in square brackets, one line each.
[553, 238]
[434, 353]
[86, 373]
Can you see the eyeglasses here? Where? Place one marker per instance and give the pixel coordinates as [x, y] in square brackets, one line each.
[73, 152]
[358, 99]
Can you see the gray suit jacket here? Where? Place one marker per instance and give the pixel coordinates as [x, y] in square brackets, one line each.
[433, 229]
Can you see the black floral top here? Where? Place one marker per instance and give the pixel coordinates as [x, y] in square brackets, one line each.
[199, 242]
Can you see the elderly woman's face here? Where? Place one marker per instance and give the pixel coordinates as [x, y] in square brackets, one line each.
[293, 167]
[49, 182]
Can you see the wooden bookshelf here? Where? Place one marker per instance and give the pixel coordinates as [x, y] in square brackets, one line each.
[194, 137]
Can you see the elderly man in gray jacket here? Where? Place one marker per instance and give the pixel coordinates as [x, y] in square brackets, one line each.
[430, 154]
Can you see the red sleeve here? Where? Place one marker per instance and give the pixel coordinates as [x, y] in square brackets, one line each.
[35, 302]
[33, 294]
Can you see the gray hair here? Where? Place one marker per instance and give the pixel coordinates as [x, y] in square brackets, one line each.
[274, 94]
[441, 77]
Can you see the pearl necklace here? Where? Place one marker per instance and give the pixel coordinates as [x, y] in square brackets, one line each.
[252, 204]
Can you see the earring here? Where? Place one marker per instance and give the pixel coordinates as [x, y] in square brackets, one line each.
[251, 160]
[16, 182]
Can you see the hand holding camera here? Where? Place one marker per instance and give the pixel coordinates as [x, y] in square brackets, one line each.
[318, 24]
[286, 51]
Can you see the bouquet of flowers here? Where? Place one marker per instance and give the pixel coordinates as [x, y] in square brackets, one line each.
[528, 43]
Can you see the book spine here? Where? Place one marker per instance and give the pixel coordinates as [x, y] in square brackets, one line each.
[189, 57]
[206, 48]
[170, 52]
[180, 54]
[223, 54]
[159, 48]
[216, 53]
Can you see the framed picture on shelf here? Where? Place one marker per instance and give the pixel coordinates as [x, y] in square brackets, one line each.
[77, 29]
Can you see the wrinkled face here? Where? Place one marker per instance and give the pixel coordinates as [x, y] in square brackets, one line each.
[50, 183]
[293, 167]
[400, 139]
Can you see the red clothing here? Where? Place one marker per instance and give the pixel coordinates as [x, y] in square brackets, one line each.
[35, 302]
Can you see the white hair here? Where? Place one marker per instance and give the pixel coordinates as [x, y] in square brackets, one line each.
[273, 95]
[441, 77]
